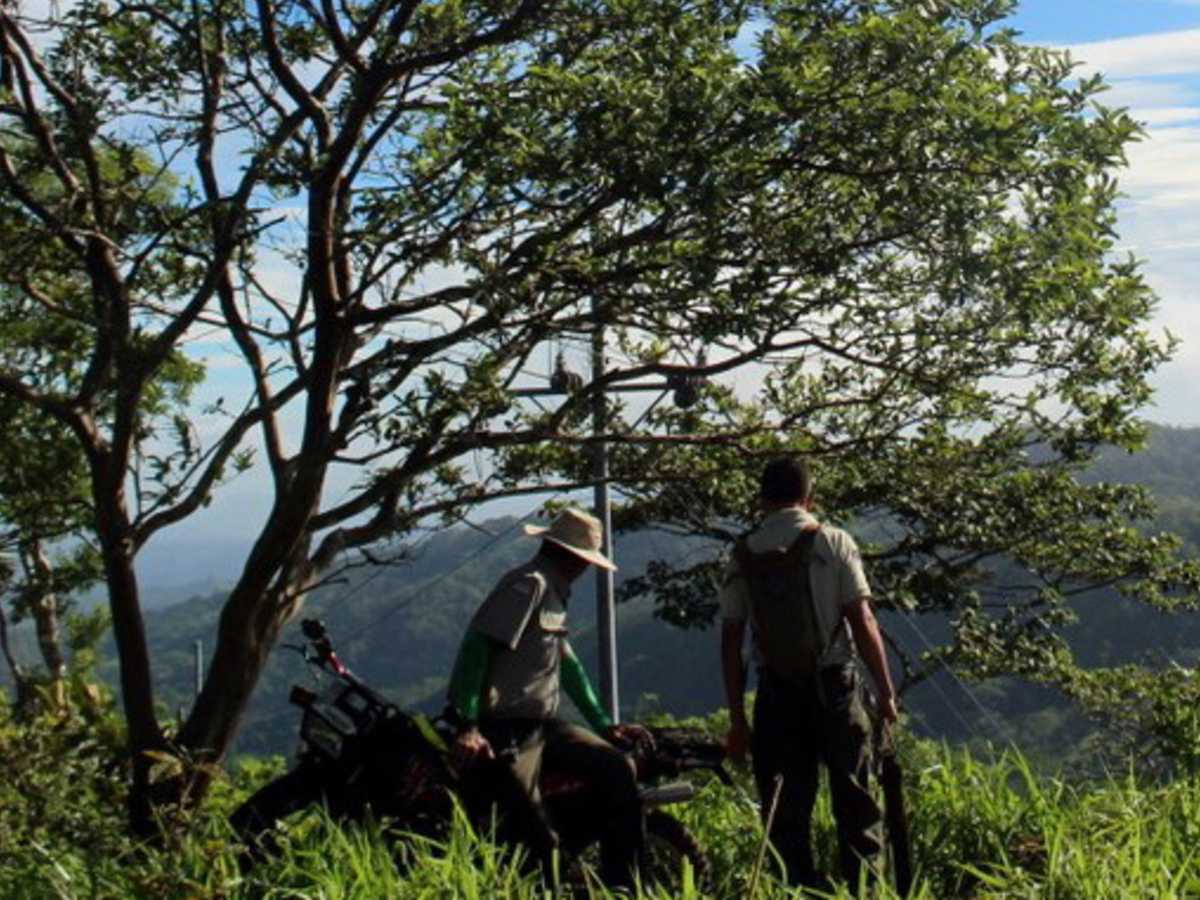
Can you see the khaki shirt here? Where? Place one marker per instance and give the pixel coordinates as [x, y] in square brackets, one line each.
[526, 614]
[836, 576]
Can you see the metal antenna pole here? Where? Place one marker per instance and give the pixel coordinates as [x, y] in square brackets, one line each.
[685, 386]
[606, 614]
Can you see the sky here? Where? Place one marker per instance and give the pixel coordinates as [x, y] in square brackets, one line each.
[1149, 52]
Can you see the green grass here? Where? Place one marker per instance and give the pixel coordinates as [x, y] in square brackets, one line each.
[994, 829]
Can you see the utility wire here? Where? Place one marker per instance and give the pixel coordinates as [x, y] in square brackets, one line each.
[1000, 729]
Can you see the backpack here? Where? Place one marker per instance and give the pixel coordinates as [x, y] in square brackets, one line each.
[782, 610]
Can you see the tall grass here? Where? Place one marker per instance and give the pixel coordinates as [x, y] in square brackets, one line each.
[979, 829]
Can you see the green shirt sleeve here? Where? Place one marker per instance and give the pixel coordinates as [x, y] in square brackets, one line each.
[579, 688]
[470, 672]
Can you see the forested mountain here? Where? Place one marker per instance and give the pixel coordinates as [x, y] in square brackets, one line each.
[398, 626]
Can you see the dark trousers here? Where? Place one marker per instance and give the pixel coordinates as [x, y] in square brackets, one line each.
[796, 729]
[508, 789]
[496, 793]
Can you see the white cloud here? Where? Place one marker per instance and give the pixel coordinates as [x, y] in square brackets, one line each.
[1160, 219]
[1176, 400]
[1165, 164]
[1144, 56]
[1167, 116]
[44, 10]
[1142, 93]
[39, 19]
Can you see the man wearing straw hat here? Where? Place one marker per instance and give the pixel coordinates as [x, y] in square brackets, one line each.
[505, 689]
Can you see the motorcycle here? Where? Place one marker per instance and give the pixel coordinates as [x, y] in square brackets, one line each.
[361, 755]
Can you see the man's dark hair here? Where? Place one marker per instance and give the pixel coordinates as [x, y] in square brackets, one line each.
[786, 479]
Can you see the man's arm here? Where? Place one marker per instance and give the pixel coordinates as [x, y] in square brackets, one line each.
[579, 688]
[466, 693]
[733, 669]
[869, 642]
[470, 672]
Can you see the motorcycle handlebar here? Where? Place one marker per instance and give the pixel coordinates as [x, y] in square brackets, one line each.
[318, 640]
[676, 750]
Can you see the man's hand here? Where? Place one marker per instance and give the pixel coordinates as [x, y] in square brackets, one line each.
[470, 746]
[737, 741]
[629, 735]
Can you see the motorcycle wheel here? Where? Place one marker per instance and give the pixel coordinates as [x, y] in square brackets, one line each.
[254, 820]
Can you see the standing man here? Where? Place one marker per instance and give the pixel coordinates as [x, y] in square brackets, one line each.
[505, 690]
[801, 587]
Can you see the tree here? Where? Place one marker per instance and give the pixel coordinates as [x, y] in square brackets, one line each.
[952, 379]
[882, 205]
[45, 507]
[33, 490]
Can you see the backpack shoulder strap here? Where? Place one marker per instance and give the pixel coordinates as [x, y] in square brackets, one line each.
[811, 535]
[801, 548]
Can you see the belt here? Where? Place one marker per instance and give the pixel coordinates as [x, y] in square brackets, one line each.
[824, 681]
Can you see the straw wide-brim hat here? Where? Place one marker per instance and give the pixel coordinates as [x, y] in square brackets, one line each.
[574, 530]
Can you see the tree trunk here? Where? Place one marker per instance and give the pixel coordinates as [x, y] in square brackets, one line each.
[137, 693]
[257, 609]
[43, 606]
[129, 631]
[249, 625]
[273, 583]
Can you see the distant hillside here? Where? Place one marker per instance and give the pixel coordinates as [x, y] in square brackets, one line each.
[1170, 468]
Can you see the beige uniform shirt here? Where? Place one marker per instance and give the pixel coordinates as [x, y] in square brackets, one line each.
[526, 614]
[836, 576]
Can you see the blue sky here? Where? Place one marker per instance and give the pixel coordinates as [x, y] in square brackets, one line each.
[1077, 21]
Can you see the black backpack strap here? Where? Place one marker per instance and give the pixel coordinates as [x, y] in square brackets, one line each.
[743, 557]
[809, 536]
[747, 565]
